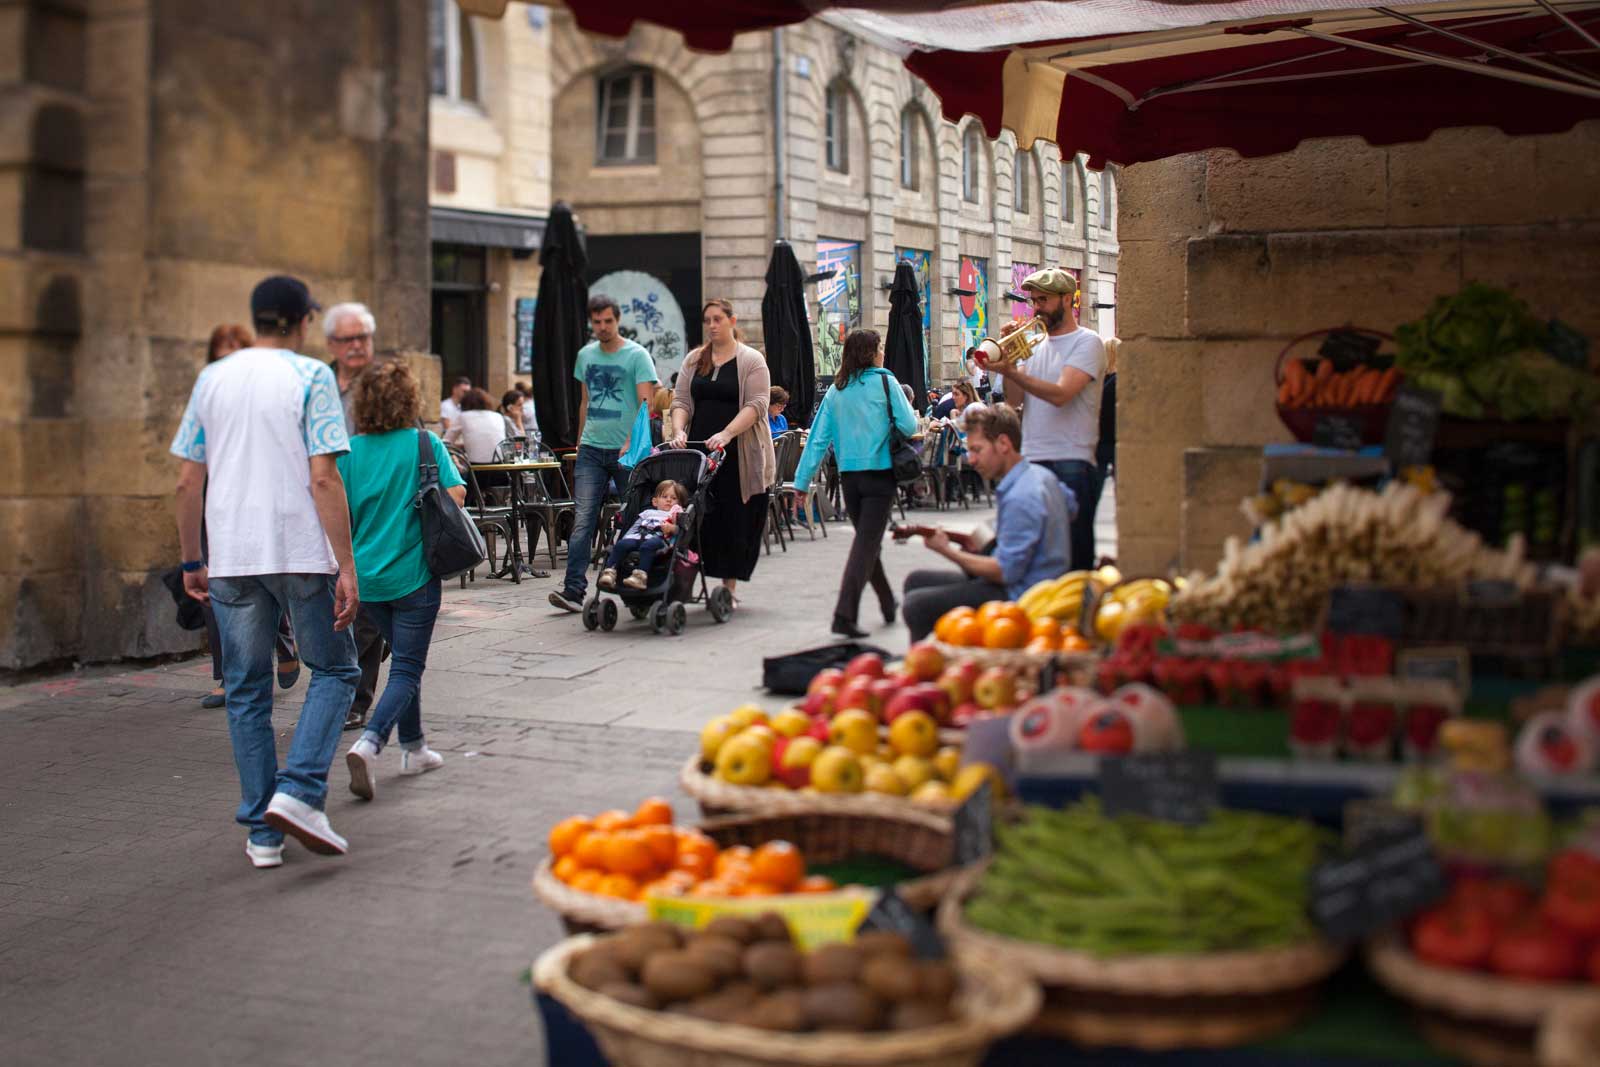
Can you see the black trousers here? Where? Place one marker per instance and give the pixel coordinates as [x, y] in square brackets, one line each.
[369, 653]
[929, 594]
[868, 500]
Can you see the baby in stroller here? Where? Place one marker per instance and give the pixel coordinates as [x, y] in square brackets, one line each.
[651, 532]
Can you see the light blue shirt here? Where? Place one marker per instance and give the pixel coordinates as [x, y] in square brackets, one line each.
[854, 422]
[1033, 539]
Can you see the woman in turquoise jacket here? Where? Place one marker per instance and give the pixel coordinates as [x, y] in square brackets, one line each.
[854, 421]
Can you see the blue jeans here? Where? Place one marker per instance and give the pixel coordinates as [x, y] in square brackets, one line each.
[407, 624]
[646, 546]
[1082, 481]
[247, 610]
[591, 478]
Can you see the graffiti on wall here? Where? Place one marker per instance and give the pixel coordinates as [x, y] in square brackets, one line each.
[838, 300]
[650, 315]
[974, 278]
[1020, 271]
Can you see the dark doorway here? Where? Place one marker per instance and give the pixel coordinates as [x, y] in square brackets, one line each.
[460, 327]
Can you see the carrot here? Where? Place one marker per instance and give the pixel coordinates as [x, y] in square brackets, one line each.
[1387, 384]
[1295, 377]
[1285, 392]
[1365, 386]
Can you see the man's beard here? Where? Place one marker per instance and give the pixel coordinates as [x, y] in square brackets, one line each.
[1055, 318]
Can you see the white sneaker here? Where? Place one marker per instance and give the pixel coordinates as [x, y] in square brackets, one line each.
[362, 759]
[421, 761]
[306, 824]
[263, 855]
[637, 580]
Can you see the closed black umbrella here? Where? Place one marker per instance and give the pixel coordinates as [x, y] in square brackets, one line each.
[787, 333]
[902, 351]
[560, 328]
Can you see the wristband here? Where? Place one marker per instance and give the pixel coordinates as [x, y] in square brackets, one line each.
[191, 565]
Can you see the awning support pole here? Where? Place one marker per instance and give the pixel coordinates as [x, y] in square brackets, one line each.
[1570, 22]
[1537, 81]
[1504, 53]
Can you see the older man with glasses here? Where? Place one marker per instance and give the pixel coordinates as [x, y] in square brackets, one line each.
[349, 329]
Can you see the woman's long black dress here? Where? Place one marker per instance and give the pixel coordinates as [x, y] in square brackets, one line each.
[730, 539]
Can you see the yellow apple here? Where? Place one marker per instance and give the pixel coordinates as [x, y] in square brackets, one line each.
[933, 794]
[744, 761]
[946, 762]
[914, 733]
[749, 715]
[714, 733]
[762, 733]
[856, 730]
[794, 761]
[970, 777]
[913, 770]
[836, 770]
[882, 779]
[791, 722]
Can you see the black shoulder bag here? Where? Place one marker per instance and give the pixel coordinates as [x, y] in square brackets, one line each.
[903, 461]
[451, 541]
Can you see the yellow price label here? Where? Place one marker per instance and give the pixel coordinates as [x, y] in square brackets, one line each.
[813, 918]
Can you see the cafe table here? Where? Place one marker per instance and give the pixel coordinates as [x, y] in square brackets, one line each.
[514, 565]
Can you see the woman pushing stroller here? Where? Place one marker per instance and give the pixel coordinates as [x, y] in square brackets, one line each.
[650, 533]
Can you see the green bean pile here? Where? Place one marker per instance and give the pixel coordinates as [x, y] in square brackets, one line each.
[1129, 885]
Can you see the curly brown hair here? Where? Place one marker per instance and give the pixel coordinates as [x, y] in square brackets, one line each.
[388, 398]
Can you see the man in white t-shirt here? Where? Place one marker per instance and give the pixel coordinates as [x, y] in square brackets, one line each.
[1059, 390]
[259, 441]
[450, 406]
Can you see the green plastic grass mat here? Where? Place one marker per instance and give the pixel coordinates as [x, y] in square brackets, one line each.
[875, 871]
[1358, 1018]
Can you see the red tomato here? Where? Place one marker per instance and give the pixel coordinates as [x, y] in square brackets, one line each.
[1572, 862]
[1573, 904]
[1453, 937]
[1502, 899]
[1537, 951]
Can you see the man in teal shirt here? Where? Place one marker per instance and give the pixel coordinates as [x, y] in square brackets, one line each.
[610, 369]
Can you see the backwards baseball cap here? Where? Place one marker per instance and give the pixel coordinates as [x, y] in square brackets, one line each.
[281, 301]
[1052, 280]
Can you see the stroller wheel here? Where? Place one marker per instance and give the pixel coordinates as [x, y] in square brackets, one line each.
[639, 611]
[591, 613]
[658, 617]
[677, 619]
[720, 604]
[608, 615]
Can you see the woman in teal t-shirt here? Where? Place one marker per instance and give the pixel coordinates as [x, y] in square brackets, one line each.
[398, 592]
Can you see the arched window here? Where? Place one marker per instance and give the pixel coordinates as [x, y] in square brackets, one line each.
[1024, 188]
[1069, 192]
[1108, 200]
[972, 158]
[910, 148]
[837, 135]
[625, 119]
[452, 53]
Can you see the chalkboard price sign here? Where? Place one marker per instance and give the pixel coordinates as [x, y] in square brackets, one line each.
[973, 824]
[1492, 592]
[1176, 787]
[1413, 422]
[525, 311]
[1366, 609]
[1451, 663]
[1390, 876]
[892, 914]
[1337, 431]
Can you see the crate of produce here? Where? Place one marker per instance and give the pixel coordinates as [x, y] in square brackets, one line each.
[1346, 379]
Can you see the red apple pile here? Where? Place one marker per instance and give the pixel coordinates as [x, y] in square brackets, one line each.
[1500, 925]
[953, 692]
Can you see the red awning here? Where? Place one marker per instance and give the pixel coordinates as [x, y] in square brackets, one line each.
[1126, 81]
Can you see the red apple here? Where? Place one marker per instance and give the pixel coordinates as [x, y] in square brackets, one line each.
[884, 690]
[1108, 732]
[964, 714]
[828, 678]
[995, 687]
[924, 696]
[957, 681]
[821, 703]
[1422, 727]
[791, 760]
[866, 665]
[924, 661]
[1372, 725]
[1108, 675]
[858, 693]
[819, 729]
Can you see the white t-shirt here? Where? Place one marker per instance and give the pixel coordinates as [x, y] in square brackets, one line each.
[449, 412]
[1072, 430]
[480, 433]
[255, 418]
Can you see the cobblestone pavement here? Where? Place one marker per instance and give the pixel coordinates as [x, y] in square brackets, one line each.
[133, 930]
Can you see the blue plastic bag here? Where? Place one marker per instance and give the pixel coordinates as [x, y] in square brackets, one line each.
[639, 441]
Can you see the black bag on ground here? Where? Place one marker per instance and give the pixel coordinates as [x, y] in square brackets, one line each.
[792, 673]
[452, 544]
[903, 460]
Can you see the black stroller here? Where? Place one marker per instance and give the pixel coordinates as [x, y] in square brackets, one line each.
[676, 578]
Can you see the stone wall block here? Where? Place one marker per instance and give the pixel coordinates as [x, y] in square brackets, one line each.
[1149, 487]
[1215, 480]
[131, 533]
[1161, 199]
[1566, 179]
[1554, 268]
[1151, 290]
[1156, 382]
[1228, 279]
[40, 618]
[51, 454]
[1141, 554]
[130, 614]
[1475, 175]
[1237, 386]
[1331, 183]
[1376, 278]
[129, 456]
[40, 535]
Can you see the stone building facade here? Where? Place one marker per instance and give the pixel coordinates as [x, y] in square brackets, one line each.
[157, 158]
[1227, 260]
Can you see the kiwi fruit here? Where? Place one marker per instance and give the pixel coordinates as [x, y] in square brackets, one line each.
[937, 980]
[843, 1006]
[677, 975]
[918, 1014]
[831, 964]
[771, 965]
[883, 942]
[630, 993]
[784, 1011]
[721, 954]
[726, 1004]
[595, 968]
[637, 943]
[770, 926]
[891, 977]
[740, 929]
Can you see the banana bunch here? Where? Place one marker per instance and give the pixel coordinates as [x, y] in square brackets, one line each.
[1141, 600]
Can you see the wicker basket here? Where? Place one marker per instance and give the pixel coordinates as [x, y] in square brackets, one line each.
[1470, 994]
[720, 798]
[1015, 658]
[1203, 1022]
[1149, 977]
[1570, 1037]
[1302, 422]
[993, 1000]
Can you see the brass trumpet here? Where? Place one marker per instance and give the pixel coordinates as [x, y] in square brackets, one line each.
[1014, 346]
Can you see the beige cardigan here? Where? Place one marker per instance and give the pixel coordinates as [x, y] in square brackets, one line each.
[758, 466]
